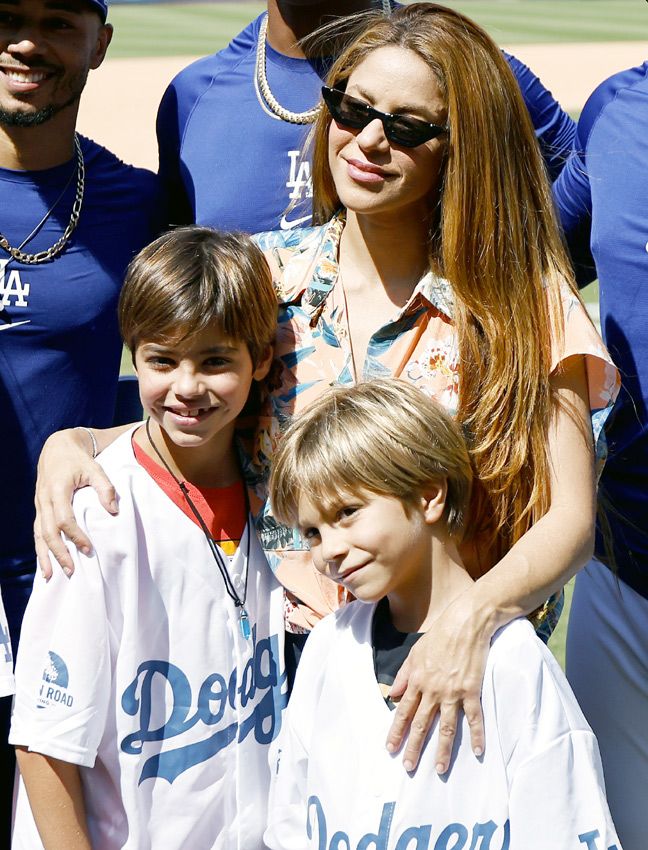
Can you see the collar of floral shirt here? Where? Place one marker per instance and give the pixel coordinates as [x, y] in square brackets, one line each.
[312, 270]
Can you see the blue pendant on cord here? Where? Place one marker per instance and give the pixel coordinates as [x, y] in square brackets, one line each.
[244, 620]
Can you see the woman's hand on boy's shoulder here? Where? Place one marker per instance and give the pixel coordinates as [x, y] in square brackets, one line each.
[442, 675]
[65, 465]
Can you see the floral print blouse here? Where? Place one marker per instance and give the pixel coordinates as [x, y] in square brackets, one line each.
[418, 345]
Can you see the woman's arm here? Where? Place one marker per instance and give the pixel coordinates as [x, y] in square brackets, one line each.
[444, 671]
[65, 465]
[56, 800]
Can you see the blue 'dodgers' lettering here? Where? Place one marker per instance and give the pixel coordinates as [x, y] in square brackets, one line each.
[260, 676]
[589, 839]
[452, 836]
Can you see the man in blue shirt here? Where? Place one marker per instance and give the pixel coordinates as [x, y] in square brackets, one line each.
[601, 195]
[231, 126]
[71, 218]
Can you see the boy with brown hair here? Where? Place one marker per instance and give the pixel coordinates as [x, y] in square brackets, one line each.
[150, 683]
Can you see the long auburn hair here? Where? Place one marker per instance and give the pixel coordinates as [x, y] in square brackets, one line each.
[494, 236]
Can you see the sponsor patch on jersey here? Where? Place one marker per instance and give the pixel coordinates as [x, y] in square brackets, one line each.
[5, 644]
[56, 680]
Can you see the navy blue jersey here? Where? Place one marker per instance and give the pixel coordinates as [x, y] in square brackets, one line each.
[225, 161]
[601, 196]
[59, 339]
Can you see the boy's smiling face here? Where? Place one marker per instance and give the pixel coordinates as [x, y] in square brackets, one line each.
[195, 389]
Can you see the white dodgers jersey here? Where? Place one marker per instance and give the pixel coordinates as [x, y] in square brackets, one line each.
[137, 670]
[538, 785]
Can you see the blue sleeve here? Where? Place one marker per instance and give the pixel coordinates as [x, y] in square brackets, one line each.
[572, 192]
[156, 211]
[574, 205]
[178, 103]
[553, 126]
[169, 134]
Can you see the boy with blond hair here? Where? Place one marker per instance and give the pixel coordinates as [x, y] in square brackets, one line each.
[377, 477]
[150, 683]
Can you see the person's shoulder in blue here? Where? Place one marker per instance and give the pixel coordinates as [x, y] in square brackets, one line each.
[180, 101]
[572, 189]
[231, 156]
[127, 202]
[554, 128]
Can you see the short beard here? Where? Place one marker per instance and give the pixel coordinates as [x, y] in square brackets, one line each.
[26, 119]
[18, 118]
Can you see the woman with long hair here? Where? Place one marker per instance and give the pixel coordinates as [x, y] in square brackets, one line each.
[437, 259]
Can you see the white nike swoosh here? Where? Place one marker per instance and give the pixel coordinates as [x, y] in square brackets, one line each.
[14, 325]
[284, 224]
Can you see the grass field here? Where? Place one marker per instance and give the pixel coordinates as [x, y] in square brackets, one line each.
[195, 29]
[557, 640]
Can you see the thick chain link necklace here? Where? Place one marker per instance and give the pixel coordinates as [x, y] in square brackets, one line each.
[44, 256]
[267, 100]
[264, 94]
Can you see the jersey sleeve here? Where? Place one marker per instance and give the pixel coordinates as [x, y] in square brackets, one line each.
[63, 669]
[556, 787]
[289, 755]
[562, 785]
[555, 129]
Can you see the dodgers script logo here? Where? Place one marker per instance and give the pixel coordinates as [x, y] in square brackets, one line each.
[591, 842]
[259, 690]
[452, 836]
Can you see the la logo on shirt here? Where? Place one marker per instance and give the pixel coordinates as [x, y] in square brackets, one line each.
[14, 291]
[301, 188]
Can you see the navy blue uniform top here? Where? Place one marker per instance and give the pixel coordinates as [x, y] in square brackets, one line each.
[226, 162]
[602, 199]
[59, 339]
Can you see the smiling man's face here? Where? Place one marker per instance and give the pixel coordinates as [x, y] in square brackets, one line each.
[47, 48]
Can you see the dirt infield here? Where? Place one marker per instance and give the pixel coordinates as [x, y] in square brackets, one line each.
[120, 101]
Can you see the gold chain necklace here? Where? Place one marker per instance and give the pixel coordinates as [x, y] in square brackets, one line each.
[264, 94]
[267, 100]
[44, 256]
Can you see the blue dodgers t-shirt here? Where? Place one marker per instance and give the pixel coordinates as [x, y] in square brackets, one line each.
[225, 161]
[603, 189]
[59, 338]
